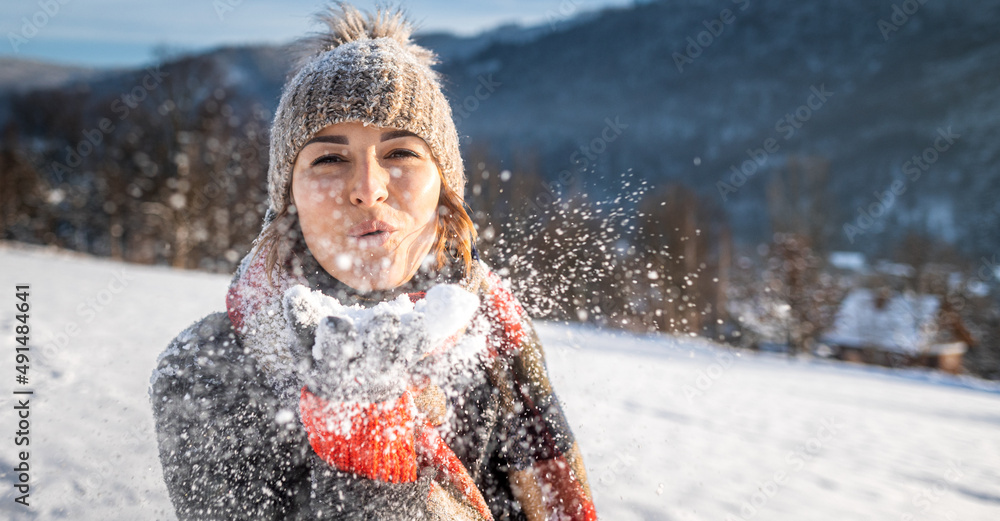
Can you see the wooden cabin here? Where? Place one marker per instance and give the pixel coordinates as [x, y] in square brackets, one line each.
[898, 330]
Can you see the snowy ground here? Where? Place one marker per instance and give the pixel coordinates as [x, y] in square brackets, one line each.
[670, 429]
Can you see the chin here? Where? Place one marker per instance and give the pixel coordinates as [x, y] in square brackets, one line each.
[375, 278]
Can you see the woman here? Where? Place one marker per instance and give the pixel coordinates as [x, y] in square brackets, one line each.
[368, 366]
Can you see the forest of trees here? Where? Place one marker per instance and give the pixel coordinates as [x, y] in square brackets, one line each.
[169, 173]
[174, 172]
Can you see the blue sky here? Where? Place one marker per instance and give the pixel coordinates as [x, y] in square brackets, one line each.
[110, 33]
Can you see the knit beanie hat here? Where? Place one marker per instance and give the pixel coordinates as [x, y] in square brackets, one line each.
[364, 68]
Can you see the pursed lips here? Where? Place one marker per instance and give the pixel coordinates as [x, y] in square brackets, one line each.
[373, 232]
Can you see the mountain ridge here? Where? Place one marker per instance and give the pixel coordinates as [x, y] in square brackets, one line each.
[693, 121]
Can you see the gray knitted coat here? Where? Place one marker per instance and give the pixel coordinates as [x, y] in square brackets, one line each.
[225, 456]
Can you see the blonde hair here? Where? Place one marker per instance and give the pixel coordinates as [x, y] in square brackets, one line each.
[454, 230]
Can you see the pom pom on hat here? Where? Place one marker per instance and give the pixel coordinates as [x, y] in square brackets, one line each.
[345, 24]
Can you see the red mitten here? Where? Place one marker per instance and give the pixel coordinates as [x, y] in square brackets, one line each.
[374, 440]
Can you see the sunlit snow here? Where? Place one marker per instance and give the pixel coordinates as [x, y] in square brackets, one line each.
[670, 428]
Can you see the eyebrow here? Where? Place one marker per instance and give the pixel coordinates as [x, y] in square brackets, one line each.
[339, 140]
[342, 140]
[393, 134]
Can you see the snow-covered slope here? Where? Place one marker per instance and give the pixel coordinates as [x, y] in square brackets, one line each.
[670, 428]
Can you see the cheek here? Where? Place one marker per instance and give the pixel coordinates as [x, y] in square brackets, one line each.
[319, 192]
[320, 205]
[420, 196]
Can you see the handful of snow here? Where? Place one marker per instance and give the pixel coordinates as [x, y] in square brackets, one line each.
[359, 350]
[448, 306]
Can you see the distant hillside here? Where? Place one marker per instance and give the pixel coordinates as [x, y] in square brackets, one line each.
[890, 98]
[691, 112]
[18, 74]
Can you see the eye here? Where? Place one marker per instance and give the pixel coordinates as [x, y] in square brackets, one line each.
[328, 158]
[401, 153]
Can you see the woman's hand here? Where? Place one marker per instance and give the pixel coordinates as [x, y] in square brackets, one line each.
[357, 408]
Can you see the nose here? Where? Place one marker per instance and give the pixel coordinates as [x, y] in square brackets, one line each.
[370, 182]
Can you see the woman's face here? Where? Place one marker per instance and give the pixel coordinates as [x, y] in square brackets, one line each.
[367, 202]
